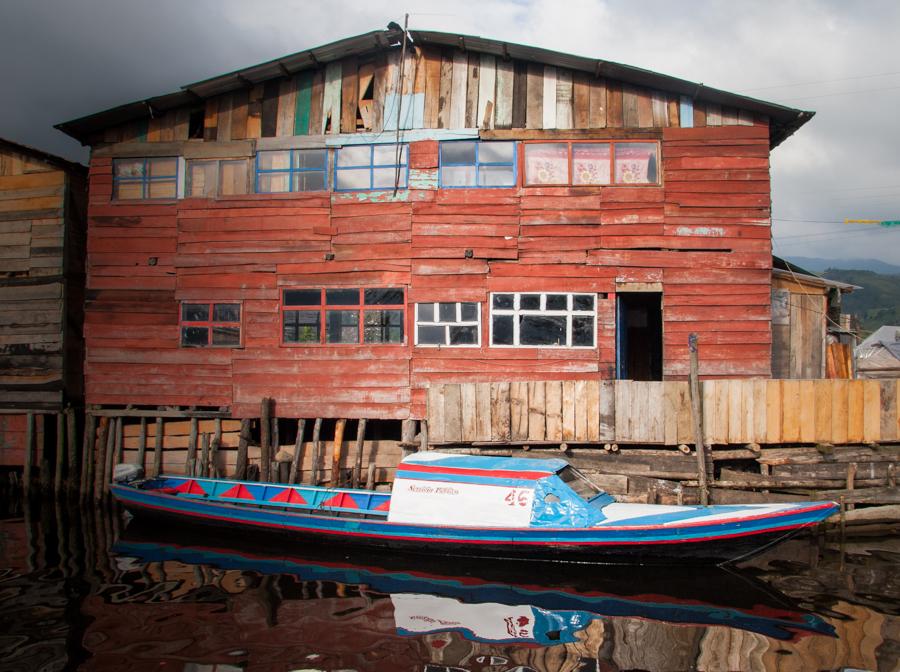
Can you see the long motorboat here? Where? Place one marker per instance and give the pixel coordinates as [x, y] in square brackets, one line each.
[481, 506]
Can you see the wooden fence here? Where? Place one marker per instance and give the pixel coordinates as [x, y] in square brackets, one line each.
[622, 411]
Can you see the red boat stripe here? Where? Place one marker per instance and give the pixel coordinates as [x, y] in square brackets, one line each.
[719, 521]
[487, 473]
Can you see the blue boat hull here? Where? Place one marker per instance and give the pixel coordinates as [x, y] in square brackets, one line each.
[713, 543]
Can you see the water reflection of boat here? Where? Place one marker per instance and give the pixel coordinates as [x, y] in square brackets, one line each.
[497, 602]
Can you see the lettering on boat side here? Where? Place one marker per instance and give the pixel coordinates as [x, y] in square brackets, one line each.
[433, 490]
[427, 502]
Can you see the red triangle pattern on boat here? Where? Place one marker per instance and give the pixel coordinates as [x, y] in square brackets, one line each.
[239, 491]
[190, 488]
[384, 506]
[289, 496]
[342, 501]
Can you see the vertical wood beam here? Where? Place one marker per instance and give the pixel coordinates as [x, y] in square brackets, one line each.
[360, 441]
[157, 448]
[697, 417]
[337, 452]
[265, 439]
[29, 455]
[240, 469]
[60, 453]
[296, 460]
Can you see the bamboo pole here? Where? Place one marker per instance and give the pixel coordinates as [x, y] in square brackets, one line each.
[29, 455]
[265, 439]
[158, 448]
[360, 441]
[298, 448]
[697, 418]
[337, 453]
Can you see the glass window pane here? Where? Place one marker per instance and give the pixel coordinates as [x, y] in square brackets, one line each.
[227, 312]
[582, 330]
[226, 336]
[447, 312]
[496, 152]
[202, 179]
[384, 178]
[590, 163]
[301, 326]
[161, 189]
[309, 181]
[496, 176]
[458, 152]
[342, 326]
[383, 326]
[390, 296]
[386, 155]
[195, 312]
[353, 179]
[458, 176]
[302, 297]
[432, 335]
[354, 155]
[469, 312]
[232, 178]
[583, 302]
[128, 167]
[279, 160]
[309, 158]
[557, 302]
[463, 335]
[273, 183]
[163, 167]
[503, 301]
[502, 330]
[636, 163]
[425, 312]
[342, 297]
[125, 190]
[542, 330]
[193, 337]
[546, 163]
[530, 302]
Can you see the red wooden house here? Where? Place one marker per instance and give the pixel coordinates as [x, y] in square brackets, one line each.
[341, 228]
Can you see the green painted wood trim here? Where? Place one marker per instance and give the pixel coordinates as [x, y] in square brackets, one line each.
[304, 100]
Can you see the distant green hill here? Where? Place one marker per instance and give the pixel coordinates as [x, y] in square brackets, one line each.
[877, 303]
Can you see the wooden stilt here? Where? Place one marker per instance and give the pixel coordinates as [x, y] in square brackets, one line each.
[203, 468]
[297, 459]
[337, 452]
[72, 477]
[696, 417]
[158, 448]
[118, 455]
[59, 471]
[240, 472]
[109, 456]
[408, 437]
[214, 450]
[360, 441]
[100, 462]
[142, 444]
[317, 449]
[29, 455]
[370, 477]
[265, 439]
[190, 464]
[46, 474]
[88, 452]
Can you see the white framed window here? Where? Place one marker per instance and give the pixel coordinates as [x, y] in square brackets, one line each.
[448, 324]
[543, 319]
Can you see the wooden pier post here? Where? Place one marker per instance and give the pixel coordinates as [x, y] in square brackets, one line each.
[100, 462]
[240, 469]
[60, 453]
[214, 450]
[87, 455]
[158, 448]
[190, 463]
[265, 439]
[317, 449]
[142, 444]
[697, 418]
[29, 455]
[46, 471]
[337, 452]
[109, 456]
[203, 469]
[360, 442]
[72, 477]
[296, 460]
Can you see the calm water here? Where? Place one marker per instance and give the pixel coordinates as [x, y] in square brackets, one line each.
[83, 590]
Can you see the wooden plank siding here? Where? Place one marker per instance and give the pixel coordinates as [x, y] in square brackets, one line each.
[735, 412]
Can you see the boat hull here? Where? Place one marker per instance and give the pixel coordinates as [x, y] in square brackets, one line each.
[714, 543]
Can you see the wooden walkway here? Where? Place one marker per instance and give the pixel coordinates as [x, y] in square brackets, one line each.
[734, 412]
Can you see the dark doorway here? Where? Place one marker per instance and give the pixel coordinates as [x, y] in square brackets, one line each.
[639, 335]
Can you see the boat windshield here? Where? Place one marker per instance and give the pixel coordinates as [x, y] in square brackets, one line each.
[579, 483]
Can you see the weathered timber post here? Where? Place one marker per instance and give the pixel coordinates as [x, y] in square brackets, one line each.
[370, 477]
[317, 449]
[46, 471]
[851, 482]
[240, 469]
[697, 418]
[142, 444]
[190, 463]
[72, 477]
[60, 453]
[204, 456]
[337, 452]
[118, 456]
[158, 448]
[296, 460]
[360, 442]
[265, 439]
[408, 437]
[87, 455]
[214, 449]
[100, 460]
[29, 456]
[110, 456]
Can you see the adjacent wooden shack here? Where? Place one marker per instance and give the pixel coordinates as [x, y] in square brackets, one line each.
[42, 251]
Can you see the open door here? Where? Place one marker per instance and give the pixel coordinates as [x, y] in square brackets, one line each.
[639, 335]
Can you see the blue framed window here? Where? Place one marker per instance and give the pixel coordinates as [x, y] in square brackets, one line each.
[370, 167]
[145, 178]
[284, 170]
[473, 163]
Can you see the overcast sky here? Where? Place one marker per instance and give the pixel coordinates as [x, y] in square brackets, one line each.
[62, 59]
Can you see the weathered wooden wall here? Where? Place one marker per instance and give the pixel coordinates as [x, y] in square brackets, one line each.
[702, 237]
[735, 412]
[798, 329]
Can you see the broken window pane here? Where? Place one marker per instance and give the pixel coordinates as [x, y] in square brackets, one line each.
[542, 330]
[342, 326]
[502, 330]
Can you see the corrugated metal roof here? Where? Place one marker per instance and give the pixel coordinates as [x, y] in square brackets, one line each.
[785, 120]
